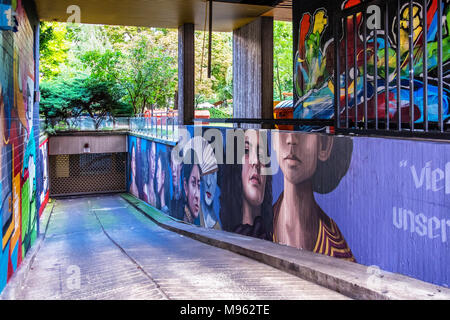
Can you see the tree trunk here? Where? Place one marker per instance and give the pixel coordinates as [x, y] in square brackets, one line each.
[175, 103]
[279, 82]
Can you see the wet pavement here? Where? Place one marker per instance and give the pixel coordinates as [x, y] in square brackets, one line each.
[103, 248]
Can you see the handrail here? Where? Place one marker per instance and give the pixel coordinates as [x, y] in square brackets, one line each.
[293, 122]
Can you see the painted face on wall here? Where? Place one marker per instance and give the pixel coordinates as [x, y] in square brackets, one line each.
[152, 160]
[176, 174]
[160, 177]
[298, 154]
[209, 184]
[253, 183]
[133, 162]
[192, 191]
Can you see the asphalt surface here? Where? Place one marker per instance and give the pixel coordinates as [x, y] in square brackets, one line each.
[103, 248]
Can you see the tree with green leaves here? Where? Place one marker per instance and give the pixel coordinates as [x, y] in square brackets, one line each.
[145, 72]
[141, 63]
[220, 86]
[54, 48]
[71, 98]
[283, 59]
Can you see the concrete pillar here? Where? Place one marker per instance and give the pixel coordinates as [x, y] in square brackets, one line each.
[253, 70]
[186, 74]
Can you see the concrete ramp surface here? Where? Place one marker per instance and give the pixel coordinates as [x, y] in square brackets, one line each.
[103, 248]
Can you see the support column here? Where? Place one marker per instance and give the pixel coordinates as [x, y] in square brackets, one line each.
[186, 74]
[253, 70]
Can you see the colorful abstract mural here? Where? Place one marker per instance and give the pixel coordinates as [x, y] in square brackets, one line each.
[19, 144]
[315, 62]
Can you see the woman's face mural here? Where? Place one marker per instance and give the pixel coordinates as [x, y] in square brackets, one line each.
[209, 183]
[192, 191]
[176, 174]
[160, 177]
[133, 162]
[253, 182]
[152, 160]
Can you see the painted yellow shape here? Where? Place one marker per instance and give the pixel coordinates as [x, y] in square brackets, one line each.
[316, 101]
[331, 86]
[16, 210]
[404, 24]
[320, 21]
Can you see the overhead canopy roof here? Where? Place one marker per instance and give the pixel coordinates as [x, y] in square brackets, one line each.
[282, 11]
[227, 16]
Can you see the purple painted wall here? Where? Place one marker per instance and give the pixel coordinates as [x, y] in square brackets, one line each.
[393, 206]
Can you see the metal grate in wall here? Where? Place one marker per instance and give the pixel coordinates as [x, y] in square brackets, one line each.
[87, 173]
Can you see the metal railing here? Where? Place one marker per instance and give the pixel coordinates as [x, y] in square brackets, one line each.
[163, 125]
[84, 123]
[238, 122]
[384, 109]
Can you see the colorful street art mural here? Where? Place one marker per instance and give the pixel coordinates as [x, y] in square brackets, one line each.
[43, 187]
[150, 174]
[315, 61]
[19, 144]
[377, 202]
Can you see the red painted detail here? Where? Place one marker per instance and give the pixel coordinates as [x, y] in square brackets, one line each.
[43, 143]
[44, 203]
[351, 3]
[304, 30]
[10, 269]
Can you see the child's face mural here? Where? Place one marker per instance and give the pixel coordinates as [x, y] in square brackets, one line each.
[298, 154]
[253, 182]
[209, 183]
[192, 191]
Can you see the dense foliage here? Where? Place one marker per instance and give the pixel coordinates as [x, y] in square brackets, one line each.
[283, 59]
[70, 98]
[111, 70]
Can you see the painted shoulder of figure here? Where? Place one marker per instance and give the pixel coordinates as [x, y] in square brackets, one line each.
[331, 242]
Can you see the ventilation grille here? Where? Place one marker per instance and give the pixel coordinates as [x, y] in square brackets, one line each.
[87, 173]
